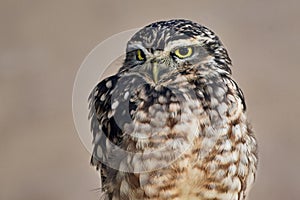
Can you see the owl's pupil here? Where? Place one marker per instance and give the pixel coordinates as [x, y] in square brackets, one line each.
[183, 51]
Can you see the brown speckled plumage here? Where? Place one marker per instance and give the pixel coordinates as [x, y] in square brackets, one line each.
[168, 126]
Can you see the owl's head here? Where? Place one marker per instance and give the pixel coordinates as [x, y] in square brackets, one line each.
[175, 46]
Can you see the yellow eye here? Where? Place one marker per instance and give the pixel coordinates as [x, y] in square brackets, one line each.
[183, 52]
[140, 55]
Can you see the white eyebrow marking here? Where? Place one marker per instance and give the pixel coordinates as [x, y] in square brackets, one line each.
[182, 42]
[138, 45]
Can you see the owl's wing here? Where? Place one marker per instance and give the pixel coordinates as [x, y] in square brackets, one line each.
[103, 125]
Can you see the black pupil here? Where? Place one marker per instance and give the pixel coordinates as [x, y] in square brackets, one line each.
[183, 51]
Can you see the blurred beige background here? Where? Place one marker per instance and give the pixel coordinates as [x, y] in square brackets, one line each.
[42, 44]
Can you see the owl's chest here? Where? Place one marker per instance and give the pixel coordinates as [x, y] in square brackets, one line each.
[160, 133]
[180, 179]
[173, 152]
[195, 174]
[186, 178]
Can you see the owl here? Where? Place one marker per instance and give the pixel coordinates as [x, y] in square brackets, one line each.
[171, 123]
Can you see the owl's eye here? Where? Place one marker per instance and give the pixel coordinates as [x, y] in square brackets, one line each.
[183, 52]
[140, 56]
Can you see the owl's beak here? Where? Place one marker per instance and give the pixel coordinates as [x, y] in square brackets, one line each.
[158, 69]
[155, 72]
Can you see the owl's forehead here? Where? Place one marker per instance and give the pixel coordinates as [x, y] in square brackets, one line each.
[167, 34]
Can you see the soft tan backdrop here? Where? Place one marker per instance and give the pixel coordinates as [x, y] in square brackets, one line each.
[42, 44]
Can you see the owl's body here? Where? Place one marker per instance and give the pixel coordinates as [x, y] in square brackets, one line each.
[171, 123]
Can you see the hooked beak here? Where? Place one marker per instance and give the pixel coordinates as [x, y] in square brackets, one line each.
[155, 72]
